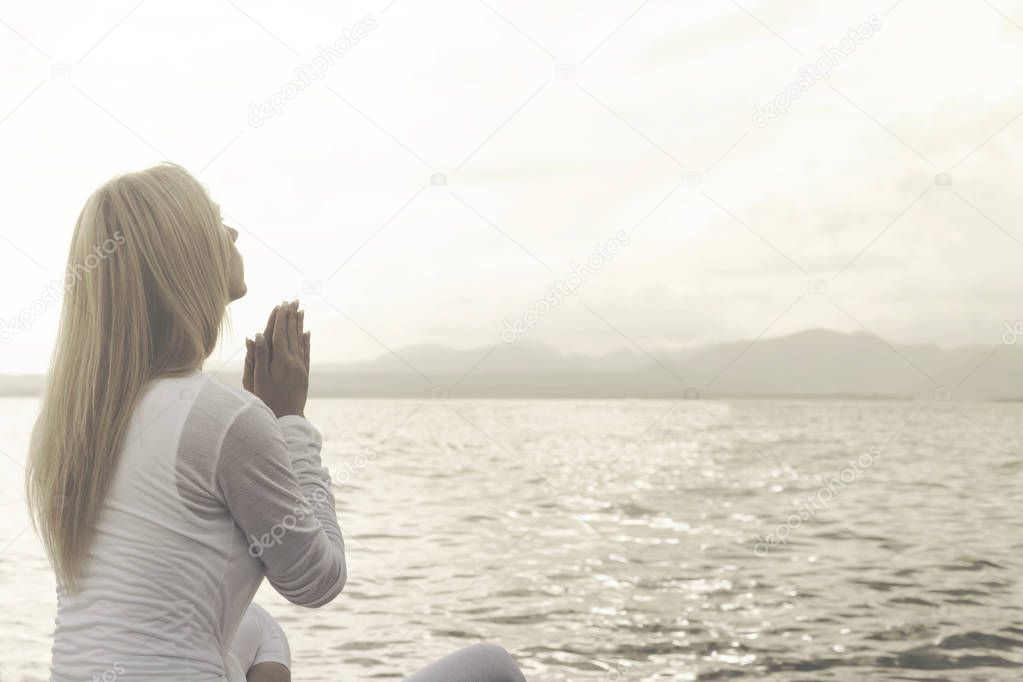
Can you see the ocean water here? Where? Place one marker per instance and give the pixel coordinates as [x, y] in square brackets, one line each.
[639, 540]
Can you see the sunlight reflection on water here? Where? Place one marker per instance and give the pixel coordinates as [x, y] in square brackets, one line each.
[612, 540]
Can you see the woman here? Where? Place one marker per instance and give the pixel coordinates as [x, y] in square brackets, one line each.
[162, 495]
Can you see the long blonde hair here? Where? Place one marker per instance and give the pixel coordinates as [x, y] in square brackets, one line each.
[145, 292]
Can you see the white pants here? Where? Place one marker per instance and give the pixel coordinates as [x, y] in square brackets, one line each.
[261, 640]
[476, 663]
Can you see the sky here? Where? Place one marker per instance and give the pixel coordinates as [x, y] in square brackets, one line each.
[451, 164]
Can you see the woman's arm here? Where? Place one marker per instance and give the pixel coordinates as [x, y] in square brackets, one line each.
[270, 476]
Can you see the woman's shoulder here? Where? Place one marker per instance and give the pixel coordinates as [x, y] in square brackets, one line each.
[219, 407]
[214, 392]
[224, 426]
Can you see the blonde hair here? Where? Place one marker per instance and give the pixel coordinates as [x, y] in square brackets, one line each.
[145, 291]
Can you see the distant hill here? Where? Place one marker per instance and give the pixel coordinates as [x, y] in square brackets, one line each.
[811, 364]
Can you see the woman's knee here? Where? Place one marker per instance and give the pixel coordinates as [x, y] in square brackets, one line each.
[268, 672]
[482, 662]
[506, 668]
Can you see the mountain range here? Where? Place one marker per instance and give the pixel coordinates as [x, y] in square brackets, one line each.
[816, 363]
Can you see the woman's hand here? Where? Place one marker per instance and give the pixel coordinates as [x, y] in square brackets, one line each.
[250, 352]
[277, 362]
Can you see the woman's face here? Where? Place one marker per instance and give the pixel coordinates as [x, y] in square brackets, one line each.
[236, 276]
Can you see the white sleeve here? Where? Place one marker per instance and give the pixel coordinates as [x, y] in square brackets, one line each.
[270, 477]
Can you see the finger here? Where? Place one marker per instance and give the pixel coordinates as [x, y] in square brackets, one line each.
[301, 323]
[269, 331]
[280, 333]
[294, 338]
[270, 321]
[305, 350]
[250, 365]
[261, 372]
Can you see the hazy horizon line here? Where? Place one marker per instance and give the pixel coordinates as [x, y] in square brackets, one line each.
[628, 347]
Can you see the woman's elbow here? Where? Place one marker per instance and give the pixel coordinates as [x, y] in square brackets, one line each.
[322, 594]
[337, 587]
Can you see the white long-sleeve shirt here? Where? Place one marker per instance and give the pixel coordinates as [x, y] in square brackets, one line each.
[211, 493]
